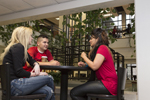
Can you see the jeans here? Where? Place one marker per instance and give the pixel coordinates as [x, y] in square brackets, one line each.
[34, 85]
[94, 87]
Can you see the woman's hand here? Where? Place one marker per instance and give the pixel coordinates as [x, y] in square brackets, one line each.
[36, 69]
[43, 73]
[81, 64]
[83, 54]
[32, 74]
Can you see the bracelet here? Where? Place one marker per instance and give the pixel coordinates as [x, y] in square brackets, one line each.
[35, 63]
[86, 65]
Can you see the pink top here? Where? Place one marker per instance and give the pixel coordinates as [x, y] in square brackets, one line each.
[106, 72]
[35, 54]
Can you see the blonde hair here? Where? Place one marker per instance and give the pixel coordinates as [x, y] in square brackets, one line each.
[20, 35]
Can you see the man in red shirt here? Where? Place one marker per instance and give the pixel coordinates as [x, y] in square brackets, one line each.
[41, 50]
[37, 52]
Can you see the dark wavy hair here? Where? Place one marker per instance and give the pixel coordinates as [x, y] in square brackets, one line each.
[102, 40]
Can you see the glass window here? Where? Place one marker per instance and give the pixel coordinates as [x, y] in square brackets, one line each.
[120, 17]
[114, 19]
[117, 22]
[128, 19]
[128, 22]
[120, 23]
[132, 16]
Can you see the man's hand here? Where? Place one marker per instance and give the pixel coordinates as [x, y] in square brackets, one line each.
[55, 62]
[81, 64]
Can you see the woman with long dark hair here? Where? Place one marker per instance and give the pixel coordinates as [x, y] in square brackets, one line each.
[100, 60]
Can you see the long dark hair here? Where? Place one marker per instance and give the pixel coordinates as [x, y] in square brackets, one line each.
[102, 40]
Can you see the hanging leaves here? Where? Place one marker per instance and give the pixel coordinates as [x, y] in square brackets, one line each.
[93, 20]
[6, 30]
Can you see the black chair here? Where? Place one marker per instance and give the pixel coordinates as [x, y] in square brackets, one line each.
[6, 90]
[120, 88]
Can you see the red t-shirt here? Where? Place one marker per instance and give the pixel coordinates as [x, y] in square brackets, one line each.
[35, 54]
[106, 72]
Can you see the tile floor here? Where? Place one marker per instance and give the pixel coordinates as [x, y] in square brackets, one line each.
[129, 94]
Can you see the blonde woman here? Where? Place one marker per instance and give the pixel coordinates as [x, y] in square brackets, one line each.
[16, 55]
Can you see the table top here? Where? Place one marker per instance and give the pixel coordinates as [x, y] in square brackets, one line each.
[63, 67]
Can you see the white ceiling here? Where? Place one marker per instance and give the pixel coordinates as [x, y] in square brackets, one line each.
[13, 11]
[12, 6]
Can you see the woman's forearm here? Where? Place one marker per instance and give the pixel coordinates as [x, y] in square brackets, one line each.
[89, 62]
[96, 63]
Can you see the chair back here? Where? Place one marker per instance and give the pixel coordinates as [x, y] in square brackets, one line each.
[5, 81]
[121, 82]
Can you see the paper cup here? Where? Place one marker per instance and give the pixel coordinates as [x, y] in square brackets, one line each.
[44, 58]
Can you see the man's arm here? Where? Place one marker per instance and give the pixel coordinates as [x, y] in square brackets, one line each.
[52, 62]
[50, 59]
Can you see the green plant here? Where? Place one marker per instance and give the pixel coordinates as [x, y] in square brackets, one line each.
[93, 19]
[6, 31]
[82, 28]
[56, 76]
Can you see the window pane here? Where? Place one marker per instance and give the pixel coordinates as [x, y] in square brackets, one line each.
[114, 19]
[128, 22]
[115, 23]
[127, 16]
[120, 17]
[120, 23]
[132, 16]
[119, 27]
